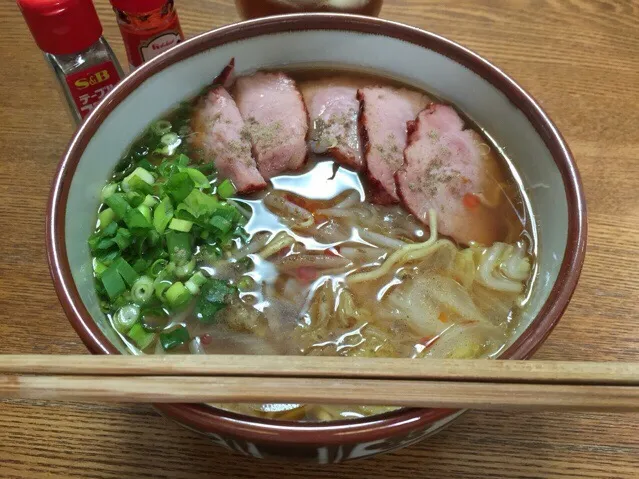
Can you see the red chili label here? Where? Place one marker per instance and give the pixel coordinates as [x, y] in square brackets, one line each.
[142, 46]
[88, 87]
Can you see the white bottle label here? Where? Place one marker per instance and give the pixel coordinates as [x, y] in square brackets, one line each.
[158, 45]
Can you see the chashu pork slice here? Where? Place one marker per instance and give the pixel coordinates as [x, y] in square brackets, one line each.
[218, 136]
[384, 113]
[276, 121]
[453, 171]
[333, 109]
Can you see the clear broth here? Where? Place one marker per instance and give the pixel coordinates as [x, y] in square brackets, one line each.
[282, 308]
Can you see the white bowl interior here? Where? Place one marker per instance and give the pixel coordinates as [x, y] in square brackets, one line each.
[415, 65]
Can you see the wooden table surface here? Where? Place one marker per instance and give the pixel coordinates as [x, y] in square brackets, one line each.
[577, 57]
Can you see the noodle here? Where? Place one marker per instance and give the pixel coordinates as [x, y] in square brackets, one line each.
[280, 204]
[399, 254]
[379, 240]
[336, 212]
[311, 260]
[489, 264]
[281, 240]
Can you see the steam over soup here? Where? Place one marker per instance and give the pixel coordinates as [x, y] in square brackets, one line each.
[313, 212]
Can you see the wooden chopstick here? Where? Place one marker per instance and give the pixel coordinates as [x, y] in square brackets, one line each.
[325, 366]
[478, 384]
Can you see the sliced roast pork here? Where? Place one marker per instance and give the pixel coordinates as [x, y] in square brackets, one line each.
[384, 114]
[333, 109]
[276, 121]
[218, 136]
[451, 170]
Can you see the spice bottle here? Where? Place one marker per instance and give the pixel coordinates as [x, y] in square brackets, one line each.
[70, 35]
[148, 28]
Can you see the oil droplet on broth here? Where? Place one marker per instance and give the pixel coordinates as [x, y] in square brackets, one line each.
[323, 181]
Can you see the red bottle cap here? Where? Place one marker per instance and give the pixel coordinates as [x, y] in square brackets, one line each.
[62, 27]
[138, 6]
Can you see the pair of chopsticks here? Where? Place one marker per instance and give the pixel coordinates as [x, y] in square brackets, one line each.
[476, 384]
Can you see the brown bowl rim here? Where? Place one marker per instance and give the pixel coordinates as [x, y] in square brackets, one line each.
[208, 419]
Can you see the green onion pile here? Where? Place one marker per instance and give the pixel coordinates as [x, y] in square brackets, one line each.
[160, 217]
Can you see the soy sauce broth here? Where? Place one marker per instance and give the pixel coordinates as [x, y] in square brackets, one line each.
[285, 306]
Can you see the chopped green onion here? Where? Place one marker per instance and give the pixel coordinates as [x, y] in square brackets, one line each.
[199, 178]
[175, 338]
[113, 282]
[142, 289]
[146, 164]
[170, 141]
[194, 283]
[198, 278]
[141, 173]
[140, 337]
[169, 138]
[226, 189]
[135, 183]
[118, 204]
[162, 215]
[199, 204]
[221, 224]
[170, 268]
[215, 294]
[108, 257]
[95, 239]
[126, 317]
[179, 186]
[228, 211]
[157, 266]
[146, 211]
[246, 283]
[134, 198]
[98, 268]
[154, 238]
[185, 269]
[182, 160]
[154, 218]
[109, 231]
[150, 201]
[122, 238]
[120, 301]
[167, 168]
[177, 295]
[209, 253]
[105, 218]
[161, 127]
[137, 220]
[207, 168]
[108, 190]
[140, 265]
[180, 225]
[104, 244]
[179, 245]
[160, 288]
[126, 271]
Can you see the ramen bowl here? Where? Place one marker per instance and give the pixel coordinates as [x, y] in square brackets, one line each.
[484, 93]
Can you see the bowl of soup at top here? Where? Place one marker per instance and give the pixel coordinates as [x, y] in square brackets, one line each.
[258, 188]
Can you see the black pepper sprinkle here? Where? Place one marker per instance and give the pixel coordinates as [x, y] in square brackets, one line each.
[334, 130]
